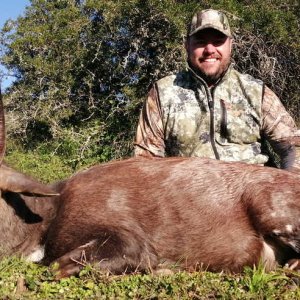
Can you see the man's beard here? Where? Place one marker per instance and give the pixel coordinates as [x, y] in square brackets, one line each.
[210, 79]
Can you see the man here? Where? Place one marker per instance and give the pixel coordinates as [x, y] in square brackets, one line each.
[212, 110]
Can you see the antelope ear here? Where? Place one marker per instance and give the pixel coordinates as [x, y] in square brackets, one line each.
[14, 181]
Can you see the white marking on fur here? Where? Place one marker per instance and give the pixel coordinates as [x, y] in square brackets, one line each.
[289, 228]
[276, 231]
[117, 200]
[37, 255]
[268, 257]
[279, 204]
[293, 244]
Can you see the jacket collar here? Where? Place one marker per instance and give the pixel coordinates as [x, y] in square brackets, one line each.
[221, 79]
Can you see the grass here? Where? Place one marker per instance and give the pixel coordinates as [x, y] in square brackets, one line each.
[23, 280]
[47, 167]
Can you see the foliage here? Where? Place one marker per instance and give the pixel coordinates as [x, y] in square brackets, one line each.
[44, 166]
[258, 280]
[23, 280]
[84, 67]
[81, 64]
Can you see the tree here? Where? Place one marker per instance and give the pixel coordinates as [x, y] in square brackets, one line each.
[84, 67]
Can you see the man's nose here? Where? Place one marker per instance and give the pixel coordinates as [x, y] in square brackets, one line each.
[209, 48]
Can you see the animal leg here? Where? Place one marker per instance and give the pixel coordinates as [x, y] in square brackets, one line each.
[293, 264]
[72, 262]
[118, 253]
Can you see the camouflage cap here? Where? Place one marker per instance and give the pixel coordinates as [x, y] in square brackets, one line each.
[210, 18]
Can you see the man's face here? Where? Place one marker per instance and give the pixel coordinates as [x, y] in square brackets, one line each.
[209, 53]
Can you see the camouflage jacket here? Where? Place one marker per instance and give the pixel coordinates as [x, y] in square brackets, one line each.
[182, 116]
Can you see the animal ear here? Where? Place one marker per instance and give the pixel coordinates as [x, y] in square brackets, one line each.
[14, 181]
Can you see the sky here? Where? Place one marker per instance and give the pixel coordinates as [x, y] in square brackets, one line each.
[10, 9]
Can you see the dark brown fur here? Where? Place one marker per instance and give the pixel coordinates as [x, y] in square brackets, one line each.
[24, 219]
[138, 214]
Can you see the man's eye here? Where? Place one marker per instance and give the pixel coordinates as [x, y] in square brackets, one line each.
[218, 42]
[201, 42]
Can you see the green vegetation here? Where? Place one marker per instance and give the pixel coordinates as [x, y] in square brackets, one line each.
[22, 280]
[84, 67]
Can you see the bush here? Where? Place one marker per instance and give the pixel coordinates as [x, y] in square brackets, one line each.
[84, 67]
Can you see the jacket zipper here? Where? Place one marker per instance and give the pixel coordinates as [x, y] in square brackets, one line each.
[211, 105]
